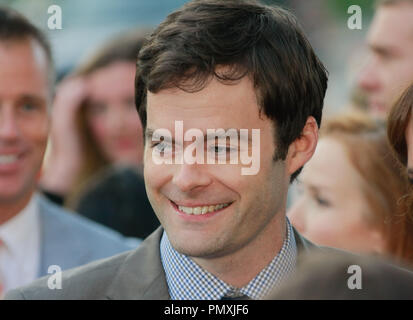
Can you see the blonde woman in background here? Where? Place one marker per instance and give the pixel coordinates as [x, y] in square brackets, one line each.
[96, 127]
[352, 191]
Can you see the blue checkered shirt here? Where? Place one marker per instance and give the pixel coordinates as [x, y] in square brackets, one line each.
[188, 281]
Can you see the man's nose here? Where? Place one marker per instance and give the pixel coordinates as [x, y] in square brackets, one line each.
[189, 177]
[9, 127]
[368, 79]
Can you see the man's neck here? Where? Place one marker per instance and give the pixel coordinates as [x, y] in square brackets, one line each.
[9, 209]
[240, 267]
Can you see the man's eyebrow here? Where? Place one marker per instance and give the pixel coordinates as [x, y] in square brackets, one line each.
[33, 98]
[150, 133]
[213, 136]
[384, 51]
[317, 188]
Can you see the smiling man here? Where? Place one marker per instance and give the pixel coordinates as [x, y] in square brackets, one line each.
[216, 65]
[229, 64]
[247, 216]
[34, 234]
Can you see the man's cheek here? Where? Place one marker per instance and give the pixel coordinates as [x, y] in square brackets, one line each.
[155, 175]
[147, 155]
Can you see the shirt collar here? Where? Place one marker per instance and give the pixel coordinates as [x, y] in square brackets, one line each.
[188, 281]
[16, 231]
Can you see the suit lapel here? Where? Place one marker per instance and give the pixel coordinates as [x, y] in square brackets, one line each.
[141, 276]
[54, 233]
[46, 237]
[304, 246]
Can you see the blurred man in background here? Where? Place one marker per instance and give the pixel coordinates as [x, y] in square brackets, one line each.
[390, 67]
[34, 233]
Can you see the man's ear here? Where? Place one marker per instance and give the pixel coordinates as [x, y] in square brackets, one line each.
[302, 148]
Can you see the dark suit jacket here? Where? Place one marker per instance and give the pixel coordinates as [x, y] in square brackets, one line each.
[344, 276]
[116, 197]
[136, 274]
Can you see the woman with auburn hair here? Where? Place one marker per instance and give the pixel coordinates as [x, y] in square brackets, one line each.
[97, 140]
[400, 130]
[400, 137]
[353, 191]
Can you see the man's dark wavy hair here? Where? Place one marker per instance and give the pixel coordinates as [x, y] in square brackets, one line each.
[250, 39]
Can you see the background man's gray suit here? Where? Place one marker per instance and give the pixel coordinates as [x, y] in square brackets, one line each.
[69, 240]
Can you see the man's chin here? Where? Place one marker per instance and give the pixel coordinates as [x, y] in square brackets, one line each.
[195, 249]
[14, 195]
[202, 249]
[378, 111]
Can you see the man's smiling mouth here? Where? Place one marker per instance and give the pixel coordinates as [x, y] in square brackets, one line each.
[200, 210]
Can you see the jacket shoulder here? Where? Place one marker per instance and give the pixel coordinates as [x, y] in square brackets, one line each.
[70, 240]
[135, 274]
[85, 282]
[66, 223]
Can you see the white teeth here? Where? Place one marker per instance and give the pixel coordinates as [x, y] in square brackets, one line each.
[202, 210]
[9, 158]
[187, 210]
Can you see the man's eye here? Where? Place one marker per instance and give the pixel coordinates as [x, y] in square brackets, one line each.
[29, 107]
[96, 108]
[222, 149]
[218, 149]
[321, 201]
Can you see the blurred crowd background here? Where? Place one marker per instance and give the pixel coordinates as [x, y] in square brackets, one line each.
[86, 24]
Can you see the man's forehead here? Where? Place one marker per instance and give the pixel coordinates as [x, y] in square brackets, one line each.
[32, 46]
[392, 26]
[23, 68]
[215, 102]
[23, 54]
